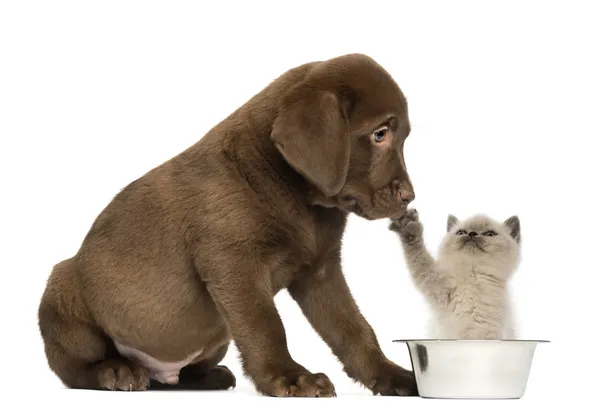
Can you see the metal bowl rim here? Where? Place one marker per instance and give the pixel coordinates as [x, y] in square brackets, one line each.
[458, 340]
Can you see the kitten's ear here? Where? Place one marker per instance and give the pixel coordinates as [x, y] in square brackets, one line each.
[451, 221]
[515, 227]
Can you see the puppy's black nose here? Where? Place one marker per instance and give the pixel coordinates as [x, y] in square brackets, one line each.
[472, 234]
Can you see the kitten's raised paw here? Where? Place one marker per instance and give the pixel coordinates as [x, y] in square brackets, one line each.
[409, 227]
[412, 215]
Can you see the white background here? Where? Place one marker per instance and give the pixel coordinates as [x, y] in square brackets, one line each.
[503, 98]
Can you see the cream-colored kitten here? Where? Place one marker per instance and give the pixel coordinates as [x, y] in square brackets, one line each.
[467, 285]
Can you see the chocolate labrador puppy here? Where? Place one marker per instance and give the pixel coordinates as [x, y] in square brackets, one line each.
[189, 256]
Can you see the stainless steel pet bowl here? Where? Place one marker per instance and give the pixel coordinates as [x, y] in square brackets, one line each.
[471, 369]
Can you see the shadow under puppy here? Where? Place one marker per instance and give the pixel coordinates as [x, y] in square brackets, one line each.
[467, 286]
[190, 256]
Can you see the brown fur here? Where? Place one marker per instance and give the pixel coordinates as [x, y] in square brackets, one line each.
[190, 256]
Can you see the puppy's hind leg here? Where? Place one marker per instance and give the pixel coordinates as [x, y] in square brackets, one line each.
[77, 352]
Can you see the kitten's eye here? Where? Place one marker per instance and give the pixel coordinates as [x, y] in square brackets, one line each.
[461, 232]
[489, 233]
[379, 135]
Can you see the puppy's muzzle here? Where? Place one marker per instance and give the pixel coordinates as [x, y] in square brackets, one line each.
[392, 201]
[403, 191]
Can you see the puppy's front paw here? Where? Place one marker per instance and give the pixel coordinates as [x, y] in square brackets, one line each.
[298, 384]
[408, 227]
[395, 381]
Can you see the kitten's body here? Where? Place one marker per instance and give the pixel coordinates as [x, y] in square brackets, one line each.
[467, 286]
[476, 305]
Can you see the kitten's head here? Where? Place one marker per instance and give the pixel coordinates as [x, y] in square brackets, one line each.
[480, 237]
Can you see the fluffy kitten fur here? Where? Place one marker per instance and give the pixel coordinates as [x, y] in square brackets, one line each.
[467, 286]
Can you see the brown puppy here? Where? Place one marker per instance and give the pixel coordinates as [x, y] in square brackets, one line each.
[190, 256]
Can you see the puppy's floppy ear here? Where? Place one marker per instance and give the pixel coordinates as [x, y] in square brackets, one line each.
[514, 224]
[310, 132]
[450, 222]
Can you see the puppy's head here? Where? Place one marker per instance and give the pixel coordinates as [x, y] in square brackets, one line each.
[343, 128]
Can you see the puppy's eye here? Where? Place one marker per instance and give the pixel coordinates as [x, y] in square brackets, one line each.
[489, 233]
[379, 134]
[461, 232]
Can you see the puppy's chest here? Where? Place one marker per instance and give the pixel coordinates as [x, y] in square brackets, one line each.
[307, 249]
